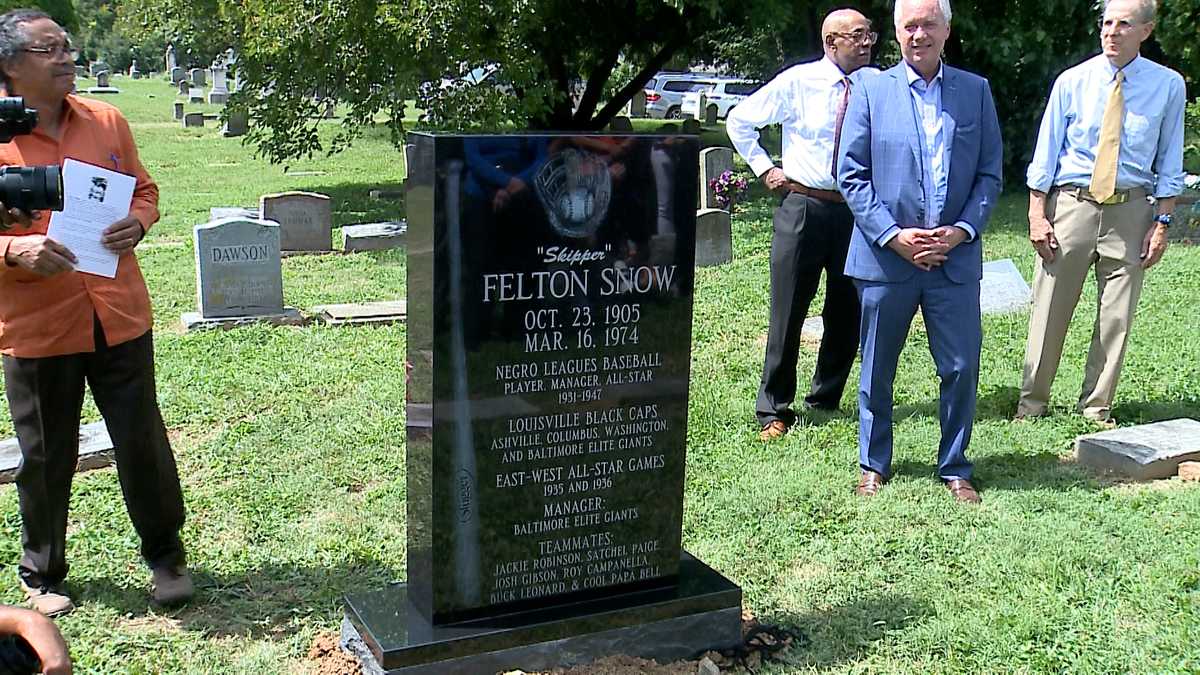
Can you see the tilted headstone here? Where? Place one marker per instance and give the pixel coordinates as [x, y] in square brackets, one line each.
[237, 123]
[637, 105]
[178, 75]
[239, 274]
[193, 119]
[374, 236]
[620, 124]
[1002, 288]
[179, 110]
[197, 78]
[713, 162]
[1143, 452]
[305, 219]
[546, 408]
[714, 237]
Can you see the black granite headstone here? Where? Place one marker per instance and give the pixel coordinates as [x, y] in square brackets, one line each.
[550, 310]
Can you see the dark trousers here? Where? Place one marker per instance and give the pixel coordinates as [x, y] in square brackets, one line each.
[45, 397]
[810, 235]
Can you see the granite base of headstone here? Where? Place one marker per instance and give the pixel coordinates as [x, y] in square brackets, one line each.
[305, 219]
[1143, 452]
[713, 162]
[193, 119]
[1002, 288]
[382, 313]
[95, 452]
[714, 238]
[374, 236]
[548, 364]
[218, 97]
[239, 276]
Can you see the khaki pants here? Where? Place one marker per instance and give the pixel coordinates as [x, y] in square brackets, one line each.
[1108, 238]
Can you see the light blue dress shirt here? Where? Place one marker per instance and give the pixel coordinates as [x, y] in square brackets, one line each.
[1151, 155]
[927, 109]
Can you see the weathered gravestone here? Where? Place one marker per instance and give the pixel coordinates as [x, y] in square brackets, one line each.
[1002, 288]
[374, 236]
[713, 163]
[637, 104]
[714, 237]
[548, 366]
[382, 313]
[1143, 452]
[710, 113]
[193, 119]
[220, 90]
[179, 75]
[620, 124]
[305, 219]
[102, 85]
[170, 60]
[197, 77]
[239, 275]
[179, 110]
[95, 452]
[195, 95]
[237, 123]
[96, 66]
[184, 87]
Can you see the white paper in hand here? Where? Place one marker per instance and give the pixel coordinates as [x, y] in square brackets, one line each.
[93, 199]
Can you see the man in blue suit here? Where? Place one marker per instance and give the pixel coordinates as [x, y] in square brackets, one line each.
[920, 168]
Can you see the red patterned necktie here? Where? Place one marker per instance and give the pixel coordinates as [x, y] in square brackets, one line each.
[837, 125]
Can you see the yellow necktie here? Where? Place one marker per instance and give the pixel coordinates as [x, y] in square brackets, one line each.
[1104, 174]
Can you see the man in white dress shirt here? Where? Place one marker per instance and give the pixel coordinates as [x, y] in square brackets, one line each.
[1111, 137]
[812, 224]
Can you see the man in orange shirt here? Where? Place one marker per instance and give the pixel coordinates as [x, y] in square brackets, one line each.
[60, 328]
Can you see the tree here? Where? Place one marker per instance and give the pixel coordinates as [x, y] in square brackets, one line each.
[62, 11]
[553, 60]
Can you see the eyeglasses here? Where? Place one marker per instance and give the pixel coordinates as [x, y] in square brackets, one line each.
[859, 35]
[1115, 26]
[50, 51]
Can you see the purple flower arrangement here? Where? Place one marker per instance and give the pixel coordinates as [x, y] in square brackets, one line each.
[728, 188]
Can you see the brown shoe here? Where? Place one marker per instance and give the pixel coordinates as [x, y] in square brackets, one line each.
[50, 601]
[171, 585]
[963, 491]
[869, 484]
[774, 430]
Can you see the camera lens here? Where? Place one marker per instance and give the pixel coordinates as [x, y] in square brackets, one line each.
[31, 188]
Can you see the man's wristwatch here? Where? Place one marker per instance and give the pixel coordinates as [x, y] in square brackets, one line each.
[1163, 219]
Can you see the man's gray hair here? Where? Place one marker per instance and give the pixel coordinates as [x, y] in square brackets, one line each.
[1147, 10]
[13, 37]
[943, 5]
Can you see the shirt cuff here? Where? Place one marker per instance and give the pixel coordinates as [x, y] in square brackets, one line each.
[761, 165]
[1040, 182]
[887, 236]
[966, 227]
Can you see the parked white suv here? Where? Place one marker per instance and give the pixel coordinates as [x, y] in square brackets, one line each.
[664, 93]
[724, 94]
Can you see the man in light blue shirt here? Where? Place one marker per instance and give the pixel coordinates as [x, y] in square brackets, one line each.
[1111, 139]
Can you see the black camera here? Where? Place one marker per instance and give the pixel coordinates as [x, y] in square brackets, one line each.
[29, 188]
[17, 657]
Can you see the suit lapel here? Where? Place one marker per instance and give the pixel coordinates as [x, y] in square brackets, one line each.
[951, 113]
[907, 119]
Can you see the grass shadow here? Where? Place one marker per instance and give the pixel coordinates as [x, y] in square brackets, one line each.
[1015, 471]
[995, 403]
[823, 642]
[259, 605]
[1145, 412]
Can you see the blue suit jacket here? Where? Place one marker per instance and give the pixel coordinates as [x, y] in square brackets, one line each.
[880, 170]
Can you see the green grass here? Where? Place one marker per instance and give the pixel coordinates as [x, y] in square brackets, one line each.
[291, 451]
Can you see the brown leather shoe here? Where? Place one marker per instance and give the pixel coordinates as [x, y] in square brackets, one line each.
[50, 601]
[963, 491]
[775, 429]
[869, 484]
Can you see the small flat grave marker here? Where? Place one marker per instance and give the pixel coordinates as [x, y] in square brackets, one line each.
[1002, 288]
[374, 236]
[1143, 452]
[95, 452]
[363, 314]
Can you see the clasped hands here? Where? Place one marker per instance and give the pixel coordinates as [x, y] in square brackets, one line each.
[42, 255]
[927, 248]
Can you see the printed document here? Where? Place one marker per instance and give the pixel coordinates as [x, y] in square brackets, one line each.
[93, 199]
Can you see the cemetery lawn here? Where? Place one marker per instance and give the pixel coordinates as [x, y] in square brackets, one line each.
[290, 444]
